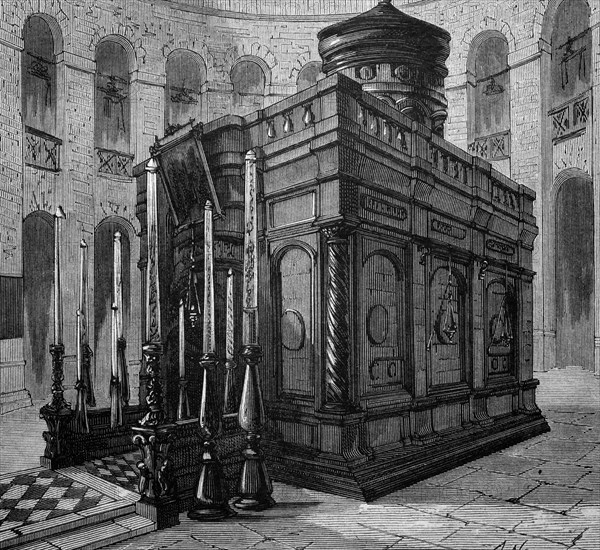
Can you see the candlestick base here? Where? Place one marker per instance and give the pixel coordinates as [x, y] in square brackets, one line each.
[210, 501]
[57, 415]
[255, 484]
[157, 479]
[56, 453]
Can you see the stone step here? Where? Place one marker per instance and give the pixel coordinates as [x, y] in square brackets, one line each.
[94, 536]
[68, 522]
[114, 520]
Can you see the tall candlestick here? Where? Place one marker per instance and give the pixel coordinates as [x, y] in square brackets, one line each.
[210, 503]
[230, 318]
[182, 338]
[81, 420]
[255, 484]
[208, 340]
[58, 337]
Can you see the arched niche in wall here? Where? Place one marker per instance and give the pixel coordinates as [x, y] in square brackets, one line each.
[501, 330]
[42, 41]
[570, 68]
[185, 76]
[112, 128]
[447, 323]
[574, 269]
[294, 296]
[309, 75]
[38, 307]
[104, 298]
[38, 75]
[489, 97]
[249, 79]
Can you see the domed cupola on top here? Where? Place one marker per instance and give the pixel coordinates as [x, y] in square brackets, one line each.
[396, 57]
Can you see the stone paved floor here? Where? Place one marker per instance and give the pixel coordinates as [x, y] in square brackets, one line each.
[543, 494]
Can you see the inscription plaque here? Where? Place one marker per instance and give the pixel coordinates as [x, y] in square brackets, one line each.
[385, 208]
[448, 229]
[498, 246]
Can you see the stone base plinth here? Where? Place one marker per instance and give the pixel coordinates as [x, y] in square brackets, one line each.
[395, 468]
[14, 400]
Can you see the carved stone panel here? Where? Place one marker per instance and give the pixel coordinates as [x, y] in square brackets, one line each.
[446, 342]
[295, 322]
[500, 327]
[382, 318]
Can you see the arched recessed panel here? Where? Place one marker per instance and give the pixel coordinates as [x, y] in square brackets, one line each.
[501, 331]
[382, 318]
[447, 324]
[574, 234]
[104, 298]
[308, 75]
[249, 81]
[38, 76]
[571, 51]
[489, 98]
[38, 306]
[186, 74]
[112, 97]
[295, 323]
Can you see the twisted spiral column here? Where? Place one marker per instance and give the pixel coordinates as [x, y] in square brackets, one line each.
[338, 296]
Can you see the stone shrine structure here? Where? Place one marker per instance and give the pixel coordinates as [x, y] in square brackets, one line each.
[395, 270]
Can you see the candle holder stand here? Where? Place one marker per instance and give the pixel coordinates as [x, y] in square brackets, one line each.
[57, 414]
[210, 503]
[255, 484]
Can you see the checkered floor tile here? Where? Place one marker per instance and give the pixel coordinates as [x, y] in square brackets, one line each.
[121, 470]
[40, 495]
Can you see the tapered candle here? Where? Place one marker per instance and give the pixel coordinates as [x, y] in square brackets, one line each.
[152, 274]
[118, 284]
[229, 324]
[250, 295]
[208, 340]
[59, 215]
[81, 312]
[181, 338]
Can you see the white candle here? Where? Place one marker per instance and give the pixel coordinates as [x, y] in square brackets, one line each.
[230, 317]
[118, 284]
[182, 338]
[81, 312]
[250, 295]
[152, 283]
[208, 340]
[59, 215]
